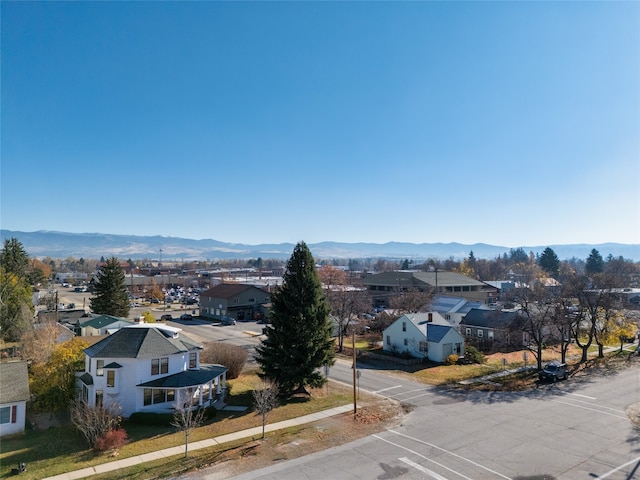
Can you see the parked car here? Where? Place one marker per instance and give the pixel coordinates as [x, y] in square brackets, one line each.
[186, 316]
[554, 371]
[166, 317]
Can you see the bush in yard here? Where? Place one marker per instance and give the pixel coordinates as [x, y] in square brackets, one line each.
[451, 359]
[150, 418]
[473, 354]
[231, 356]
[111, 440]
[95, 422]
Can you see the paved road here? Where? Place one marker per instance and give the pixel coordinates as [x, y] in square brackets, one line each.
[571, 430]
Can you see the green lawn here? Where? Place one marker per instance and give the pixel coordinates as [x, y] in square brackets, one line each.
[62, 449]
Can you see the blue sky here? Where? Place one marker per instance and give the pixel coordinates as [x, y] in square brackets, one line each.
[510, 123]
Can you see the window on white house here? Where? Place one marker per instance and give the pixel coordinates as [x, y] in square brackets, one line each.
[406, 342]
[423, 347]
[388, 339]
[468, 332]
[159, 365]
[480, 333]
[5, 414]
[111, 378]
[99, 398]
[404, 326]
[193, 357]
[99, 368]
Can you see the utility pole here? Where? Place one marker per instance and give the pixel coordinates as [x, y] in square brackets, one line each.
[353, 341]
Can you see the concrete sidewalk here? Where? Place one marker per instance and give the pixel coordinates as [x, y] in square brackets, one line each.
[210, 442]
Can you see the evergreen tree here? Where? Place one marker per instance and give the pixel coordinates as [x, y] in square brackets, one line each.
[110, 292]
[594, 263]
[16, 306]
[14, 258]
[549, 262]
[298, 340]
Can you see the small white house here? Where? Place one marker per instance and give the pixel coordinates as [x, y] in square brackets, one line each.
[14, 394]
[423, 335]
[101, 325]
[148, 367]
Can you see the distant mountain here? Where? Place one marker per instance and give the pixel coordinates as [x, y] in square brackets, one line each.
[43, 243]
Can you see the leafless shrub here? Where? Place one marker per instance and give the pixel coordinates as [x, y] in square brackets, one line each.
[231, 356]
[95, 422]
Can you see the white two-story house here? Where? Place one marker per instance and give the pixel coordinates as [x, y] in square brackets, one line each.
[148, 367]
[423, 335]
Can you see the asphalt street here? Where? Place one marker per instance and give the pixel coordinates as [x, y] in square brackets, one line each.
[576, 429]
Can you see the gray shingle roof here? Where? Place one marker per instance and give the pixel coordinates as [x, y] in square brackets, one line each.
[188, 378]
[101, 321]
[228, 290]
[490, 318]
[141, 342]
[14, 382]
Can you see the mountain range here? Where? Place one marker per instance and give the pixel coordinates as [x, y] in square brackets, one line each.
[53, 244]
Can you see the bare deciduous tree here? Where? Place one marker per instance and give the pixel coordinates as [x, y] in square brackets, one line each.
[265, 399]
[186, 417]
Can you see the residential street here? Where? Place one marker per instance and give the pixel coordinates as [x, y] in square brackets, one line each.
[576, 429]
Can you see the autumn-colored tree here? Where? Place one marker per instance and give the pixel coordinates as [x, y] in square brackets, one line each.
[53, 383]
[148, 317]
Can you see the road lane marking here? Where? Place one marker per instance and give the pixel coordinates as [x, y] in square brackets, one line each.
[450, 453]
[422, 456]
[422, 469]
[617, 410]
[416, 396]
[610, 472]
[583, 396]
[388, 388]
[624, 417]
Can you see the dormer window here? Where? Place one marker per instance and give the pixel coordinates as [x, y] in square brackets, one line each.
[193, 360]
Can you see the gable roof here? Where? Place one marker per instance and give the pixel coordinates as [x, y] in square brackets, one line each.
[141, 342]
[101, 321]
[451, 304]
[14, 382]
[188, 378]
[435, 333]
[229, 290]
[490, 318]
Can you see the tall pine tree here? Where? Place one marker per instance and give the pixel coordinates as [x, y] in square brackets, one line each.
[298, 340]
[110, 296]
